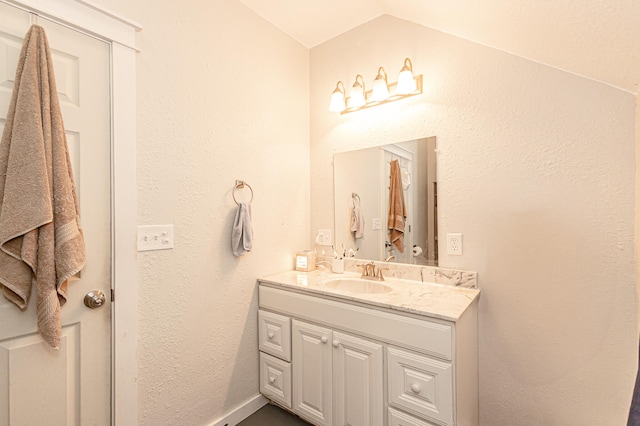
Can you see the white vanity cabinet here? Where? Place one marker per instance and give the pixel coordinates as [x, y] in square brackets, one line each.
[351, 363]
[337, 377]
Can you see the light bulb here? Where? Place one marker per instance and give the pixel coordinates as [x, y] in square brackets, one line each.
[380, 90]
[337, 103]
[357, 98]
[406, 82]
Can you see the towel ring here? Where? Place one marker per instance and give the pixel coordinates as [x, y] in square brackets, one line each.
[239, 185]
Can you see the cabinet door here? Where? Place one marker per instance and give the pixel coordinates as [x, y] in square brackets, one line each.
[357, 381]
[312, 367]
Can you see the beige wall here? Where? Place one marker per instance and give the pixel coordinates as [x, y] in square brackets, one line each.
[536, 169]
[222, 95]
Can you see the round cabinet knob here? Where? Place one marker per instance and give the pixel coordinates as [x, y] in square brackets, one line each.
[94, 299]
[272, 379]
[336, 343]
[416, 388]
[270, 335]
[324, 339]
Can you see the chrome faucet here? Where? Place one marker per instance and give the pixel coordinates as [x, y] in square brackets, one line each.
[389, 258]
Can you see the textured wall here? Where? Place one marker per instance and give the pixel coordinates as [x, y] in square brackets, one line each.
[222, 95]
[536, 169]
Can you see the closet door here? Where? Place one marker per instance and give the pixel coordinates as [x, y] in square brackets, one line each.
[405, 161]
[71, 386]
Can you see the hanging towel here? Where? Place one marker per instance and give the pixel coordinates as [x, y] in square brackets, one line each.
[397, 212]
[357, 219]
[242, 233]
[406, 176]
[40, 234]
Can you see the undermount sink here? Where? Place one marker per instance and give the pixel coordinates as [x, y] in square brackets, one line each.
[355, 285]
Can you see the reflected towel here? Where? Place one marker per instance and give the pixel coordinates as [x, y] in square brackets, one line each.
[242, 233]
[406, 176]
[40, 234]
[397, 211]
[357, 219]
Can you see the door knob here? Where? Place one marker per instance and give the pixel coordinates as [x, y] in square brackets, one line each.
[94, 299]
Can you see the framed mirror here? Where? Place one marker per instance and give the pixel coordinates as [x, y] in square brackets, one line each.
[362, 191]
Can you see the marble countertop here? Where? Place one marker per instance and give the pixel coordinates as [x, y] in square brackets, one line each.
[422, 298]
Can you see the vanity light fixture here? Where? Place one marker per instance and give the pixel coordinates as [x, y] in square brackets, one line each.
[382, 92]
[358, 98]
[406, 82]
[338, 103]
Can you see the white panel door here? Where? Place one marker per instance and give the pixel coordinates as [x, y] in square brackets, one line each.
[38, 385]
[357, 381]
[312, 370]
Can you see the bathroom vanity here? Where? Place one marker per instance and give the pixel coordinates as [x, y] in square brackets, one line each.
[340, 350]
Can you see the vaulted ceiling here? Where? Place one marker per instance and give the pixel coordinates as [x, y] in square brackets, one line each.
[598, 39]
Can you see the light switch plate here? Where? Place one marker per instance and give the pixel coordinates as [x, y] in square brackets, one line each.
[155, 237]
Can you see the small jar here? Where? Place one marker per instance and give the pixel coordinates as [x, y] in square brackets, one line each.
[337, 266]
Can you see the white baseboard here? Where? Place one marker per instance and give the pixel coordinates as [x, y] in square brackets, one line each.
[242, 412]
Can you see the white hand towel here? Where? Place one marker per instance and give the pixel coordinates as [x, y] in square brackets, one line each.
[242, 233]
[357, 219]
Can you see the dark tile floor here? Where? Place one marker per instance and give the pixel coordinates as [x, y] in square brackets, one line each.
[271, 415]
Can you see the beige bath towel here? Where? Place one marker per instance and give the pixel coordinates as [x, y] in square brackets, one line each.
[40, 235]
[397, 212]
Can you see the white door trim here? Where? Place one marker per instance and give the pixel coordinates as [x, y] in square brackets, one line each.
[92, 19]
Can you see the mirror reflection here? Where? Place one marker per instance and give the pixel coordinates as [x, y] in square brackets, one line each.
[385, 202]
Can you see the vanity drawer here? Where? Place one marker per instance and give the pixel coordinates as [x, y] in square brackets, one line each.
[274, 334]
[422, 335]
[421, 385]
[275, 379]
[398, 418]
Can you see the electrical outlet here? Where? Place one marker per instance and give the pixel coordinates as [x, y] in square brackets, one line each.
[324, 237]
[454, 244]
